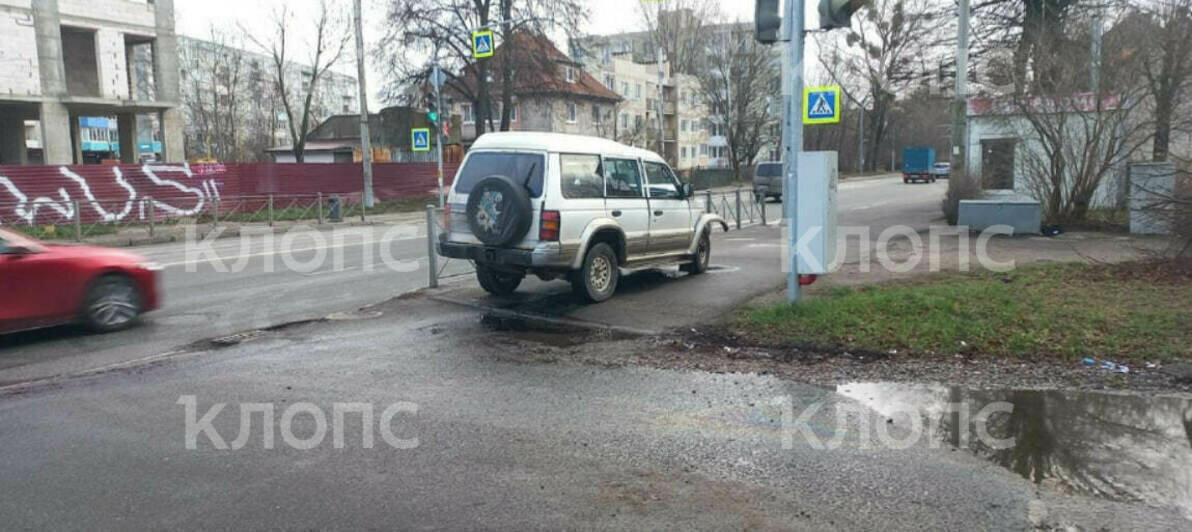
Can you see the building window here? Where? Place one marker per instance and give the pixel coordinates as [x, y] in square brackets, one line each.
[468, 113]
[513, 113]
[683, 152]
[624, 120]
[569, 74]
[571, 113]
[638, 91]
[683, 126]
[625, 89]
[596, 114]
[637, 121]
[703, 149]
[610, 82]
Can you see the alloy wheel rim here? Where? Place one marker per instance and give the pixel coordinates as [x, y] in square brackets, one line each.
[116, 306]
[601, 274]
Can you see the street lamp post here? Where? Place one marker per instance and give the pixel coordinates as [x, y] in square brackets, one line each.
[365, 136]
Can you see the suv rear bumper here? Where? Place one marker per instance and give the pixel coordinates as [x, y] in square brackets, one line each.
[545, 256]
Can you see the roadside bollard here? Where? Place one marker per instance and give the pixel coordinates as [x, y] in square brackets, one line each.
[711, 207]
[320, 208]
[215, 213]
[271, 210]
[432, 234]
[761, 204]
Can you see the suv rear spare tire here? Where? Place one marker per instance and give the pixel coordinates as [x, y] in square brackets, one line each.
[596, 281]
[499, 211]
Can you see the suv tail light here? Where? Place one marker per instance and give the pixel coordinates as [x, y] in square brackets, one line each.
[549, 226]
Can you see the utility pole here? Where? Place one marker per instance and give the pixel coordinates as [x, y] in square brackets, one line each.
[661, 104]
[365, 136]
[959, 103]
[1098, 30]
[792, 95]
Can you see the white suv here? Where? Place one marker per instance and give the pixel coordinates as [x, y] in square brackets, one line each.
[566, 206]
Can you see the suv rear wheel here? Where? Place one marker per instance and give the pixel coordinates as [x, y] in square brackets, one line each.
[597, 280]
[496, 282]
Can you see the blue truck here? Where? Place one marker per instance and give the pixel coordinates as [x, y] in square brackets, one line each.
[918, 164]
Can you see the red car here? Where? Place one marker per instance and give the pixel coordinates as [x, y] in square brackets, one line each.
[44, 284]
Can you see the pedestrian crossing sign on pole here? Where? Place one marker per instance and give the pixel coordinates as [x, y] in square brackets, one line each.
[420, 138]
[482, 44]
[821, 105]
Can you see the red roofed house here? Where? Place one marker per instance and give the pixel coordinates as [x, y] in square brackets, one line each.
[551, 92]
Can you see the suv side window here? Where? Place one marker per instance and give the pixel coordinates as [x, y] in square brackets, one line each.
[582, 176]
[624, 178]
[662, 182]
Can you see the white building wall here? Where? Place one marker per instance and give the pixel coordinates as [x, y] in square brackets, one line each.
[19, 74]
[113, 64]
[121, 12]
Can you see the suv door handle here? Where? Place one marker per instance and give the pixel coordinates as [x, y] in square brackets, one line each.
[657, 213]
[616, 214]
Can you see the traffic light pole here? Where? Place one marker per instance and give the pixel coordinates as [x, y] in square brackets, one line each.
[792, 88]
[438, 84]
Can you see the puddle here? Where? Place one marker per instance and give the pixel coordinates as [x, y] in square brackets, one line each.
[534, 330]
[1120, 447]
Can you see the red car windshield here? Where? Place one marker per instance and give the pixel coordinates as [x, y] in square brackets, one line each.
[10, 239]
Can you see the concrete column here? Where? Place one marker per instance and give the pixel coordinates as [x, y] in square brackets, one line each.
[76, 138]
[58, 137]
[47, 27]
[12, 141]
[173, 144]
[126, 125]
[165, 54]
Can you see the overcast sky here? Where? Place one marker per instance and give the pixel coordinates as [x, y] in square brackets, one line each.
[195, 17]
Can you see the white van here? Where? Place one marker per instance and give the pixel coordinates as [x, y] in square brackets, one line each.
[574, 207]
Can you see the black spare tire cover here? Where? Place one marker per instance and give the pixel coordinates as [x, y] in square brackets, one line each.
[499, 210]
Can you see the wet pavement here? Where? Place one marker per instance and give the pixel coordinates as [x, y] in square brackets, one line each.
[1116, 446]
[511, 434]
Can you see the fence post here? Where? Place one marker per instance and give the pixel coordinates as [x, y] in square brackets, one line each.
[152, 215]
[711, 207]
[738, 195]
[363, 209]
[271, 210]
[215, 214]
[78, 221]
[320, 208]
[432, 234]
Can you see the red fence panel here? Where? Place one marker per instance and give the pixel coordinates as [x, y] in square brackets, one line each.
[46, 194]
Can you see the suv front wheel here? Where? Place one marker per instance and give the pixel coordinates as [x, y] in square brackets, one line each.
[497, 283]
[597, 280]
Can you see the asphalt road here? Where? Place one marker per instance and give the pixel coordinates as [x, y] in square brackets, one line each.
[204, 301]
[509, 433]
[503, 442]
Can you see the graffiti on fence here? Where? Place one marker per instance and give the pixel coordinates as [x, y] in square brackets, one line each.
[175, 189]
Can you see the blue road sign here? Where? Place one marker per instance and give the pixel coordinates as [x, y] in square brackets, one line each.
[420, 138]
[482, 44]
[821, 105]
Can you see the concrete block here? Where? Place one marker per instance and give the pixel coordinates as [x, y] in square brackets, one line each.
[1024, 215]
[1152, 185]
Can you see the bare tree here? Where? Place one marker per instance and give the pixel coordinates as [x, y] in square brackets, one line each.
[738, 78]
[297, 93]
[211, 96]
[419, 29]
[1163, 31]
[677, 28]
[883, 55]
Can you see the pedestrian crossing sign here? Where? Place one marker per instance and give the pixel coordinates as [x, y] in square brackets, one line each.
[821, 105]
[482, 44]
[420, 138]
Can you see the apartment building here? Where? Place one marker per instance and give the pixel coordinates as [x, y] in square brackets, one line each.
[64, 61]
[232, 108]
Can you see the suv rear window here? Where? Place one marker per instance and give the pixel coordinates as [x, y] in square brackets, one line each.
[524, 168]
[769, 170]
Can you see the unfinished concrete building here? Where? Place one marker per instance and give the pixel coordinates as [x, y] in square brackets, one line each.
[65, 61]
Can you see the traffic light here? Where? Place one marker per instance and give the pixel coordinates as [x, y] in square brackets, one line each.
[432, 109]
[767, 21]
[836, 13]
